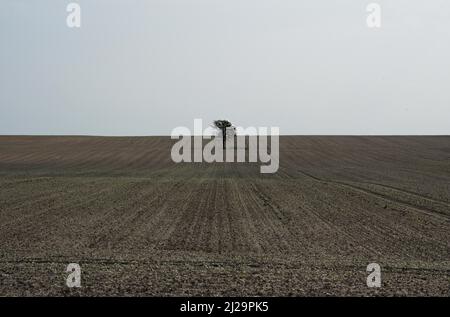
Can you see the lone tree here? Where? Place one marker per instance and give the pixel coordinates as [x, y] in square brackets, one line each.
[222, 125]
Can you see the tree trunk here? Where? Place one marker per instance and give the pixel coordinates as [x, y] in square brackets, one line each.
[224, 135]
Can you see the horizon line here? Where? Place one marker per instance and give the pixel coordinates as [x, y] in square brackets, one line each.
[194, 135]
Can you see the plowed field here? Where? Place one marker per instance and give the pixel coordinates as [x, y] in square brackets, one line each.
[139, 224]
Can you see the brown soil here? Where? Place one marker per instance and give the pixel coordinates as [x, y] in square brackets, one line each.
[139, 224]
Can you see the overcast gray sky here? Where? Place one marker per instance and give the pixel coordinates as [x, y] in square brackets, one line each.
[144, 67]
